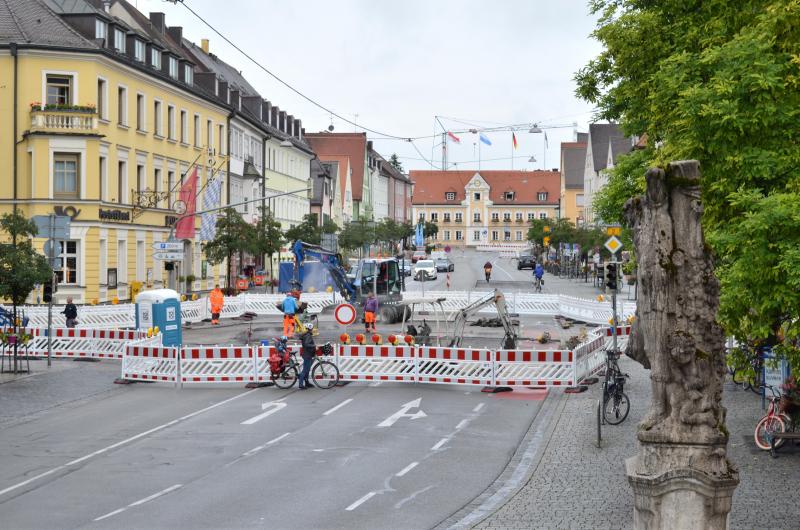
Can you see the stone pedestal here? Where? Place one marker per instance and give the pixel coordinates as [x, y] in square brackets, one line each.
[680, 498]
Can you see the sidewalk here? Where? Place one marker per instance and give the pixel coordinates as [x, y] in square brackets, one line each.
[577, 485]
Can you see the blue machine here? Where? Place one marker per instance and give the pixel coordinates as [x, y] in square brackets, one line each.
[162, 308]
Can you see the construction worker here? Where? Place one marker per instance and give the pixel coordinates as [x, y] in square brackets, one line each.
[217, 300]
[289, 308]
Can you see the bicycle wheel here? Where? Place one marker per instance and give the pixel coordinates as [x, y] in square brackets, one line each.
[325, 374]
[287, 378]
[616, 408]
[764, 429]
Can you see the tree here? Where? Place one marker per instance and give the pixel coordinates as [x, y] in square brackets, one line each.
[719, 83]
[356, 234]
[329, 226]
[394, 160]
[266, 237]
[233, 235]
[308, 230]
[21, 267]
[430, 229]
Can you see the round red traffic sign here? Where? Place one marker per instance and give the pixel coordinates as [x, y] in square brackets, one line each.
[345, 314]
[447, 249]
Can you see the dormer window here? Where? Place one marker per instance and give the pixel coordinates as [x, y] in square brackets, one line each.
[119, 40]
[542, 196]
[100, 29]
[450, 196]
[173, 67]
[509, 195]
[139, 50]
[155, 58]
[188, 73]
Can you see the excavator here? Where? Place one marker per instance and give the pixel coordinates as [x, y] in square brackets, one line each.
[509, 341]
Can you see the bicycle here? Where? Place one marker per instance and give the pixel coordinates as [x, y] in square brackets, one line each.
[774, 421]
[616, 404]
[537, 285]
[324, 373]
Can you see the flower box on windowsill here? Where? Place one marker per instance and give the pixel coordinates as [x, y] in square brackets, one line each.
[64, 121]
[82, 109]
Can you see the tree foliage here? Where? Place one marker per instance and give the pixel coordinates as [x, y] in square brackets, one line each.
[719, 82]
[356, 234]
[430, 229]
[307, 230]
[233, 235]
[564, 231]
[394, 160]
[266, 236]
[21, 267]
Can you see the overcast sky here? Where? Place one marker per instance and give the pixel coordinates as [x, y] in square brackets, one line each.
[399, 63]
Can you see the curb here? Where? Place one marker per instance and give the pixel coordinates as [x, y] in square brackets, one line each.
[518, 470]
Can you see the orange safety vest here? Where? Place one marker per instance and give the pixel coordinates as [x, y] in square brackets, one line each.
[217, 300]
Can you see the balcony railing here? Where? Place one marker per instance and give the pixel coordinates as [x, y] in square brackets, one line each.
[64, 121]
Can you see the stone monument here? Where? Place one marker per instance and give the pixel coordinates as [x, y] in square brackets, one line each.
[681, 477]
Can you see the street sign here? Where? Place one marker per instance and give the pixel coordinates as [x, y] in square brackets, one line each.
[613, 244]
[169, 246]
[60, 224]
[345, 314]
[614, 230]
[168, 256]
[447, 249]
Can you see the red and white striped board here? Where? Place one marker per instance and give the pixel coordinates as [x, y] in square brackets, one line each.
[459, 366]
[143, 362]
[217, 364]
[543, 368]
[622, 331]
[376, 363]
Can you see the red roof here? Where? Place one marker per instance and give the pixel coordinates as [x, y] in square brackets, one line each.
[430, 187]
[333, 146]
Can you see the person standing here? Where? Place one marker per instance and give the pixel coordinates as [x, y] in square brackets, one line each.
[370, 312]
[308, 351]
[217, 300]
[70, 312]
[289, 308]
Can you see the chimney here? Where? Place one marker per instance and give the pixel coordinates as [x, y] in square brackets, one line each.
[204, 45]
[107, 6]
[159, 21]
[176, 32]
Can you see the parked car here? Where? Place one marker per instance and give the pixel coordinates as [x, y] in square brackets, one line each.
[444, 265]
[526, 262]
[405, 267]
[425, 269]
[418, 255]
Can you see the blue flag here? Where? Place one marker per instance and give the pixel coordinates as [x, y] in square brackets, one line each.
[420, 238]
[485, 139]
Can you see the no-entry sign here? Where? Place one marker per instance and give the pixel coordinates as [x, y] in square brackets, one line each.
[345, 314]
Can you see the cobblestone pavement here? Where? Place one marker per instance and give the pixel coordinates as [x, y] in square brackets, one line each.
[577, 485]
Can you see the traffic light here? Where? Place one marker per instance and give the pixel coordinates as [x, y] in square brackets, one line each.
[47, 296]
[611, 276]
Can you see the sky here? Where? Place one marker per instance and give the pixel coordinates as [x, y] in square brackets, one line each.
[394, 66]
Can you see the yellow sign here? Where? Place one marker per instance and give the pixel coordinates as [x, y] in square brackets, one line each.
[547, 241]
[614, 230]
[546, 228]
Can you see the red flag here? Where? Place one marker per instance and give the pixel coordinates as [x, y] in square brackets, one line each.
[453, 137]
[514, 140]
[185, 227]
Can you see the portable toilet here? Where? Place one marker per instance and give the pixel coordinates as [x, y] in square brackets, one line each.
[162, 308]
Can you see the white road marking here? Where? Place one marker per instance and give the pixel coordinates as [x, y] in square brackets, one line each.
[376, 383]
[403, 413]
[337, 407]
[140, 502]
[439, 444]
[413, 496]
[123, 442]
[254, 450]
[406, 469]
[271, 407]
[462, 424]
[478, 407]
[360, 501]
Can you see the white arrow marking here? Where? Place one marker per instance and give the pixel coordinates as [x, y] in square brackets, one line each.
[403, 413]
[271, 407]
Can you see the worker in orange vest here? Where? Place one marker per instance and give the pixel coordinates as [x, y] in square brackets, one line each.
[217, 301]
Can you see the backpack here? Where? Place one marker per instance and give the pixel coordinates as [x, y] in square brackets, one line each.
[277, 360]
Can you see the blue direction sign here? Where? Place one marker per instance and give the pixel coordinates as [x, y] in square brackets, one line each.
[60, 224]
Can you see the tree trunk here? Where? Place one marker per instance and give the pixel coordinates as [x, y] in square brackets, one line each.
[683, 438]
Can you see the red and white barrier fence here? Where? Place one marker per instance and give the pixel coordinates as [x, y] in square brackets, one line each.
[147, 360]
[76, 343]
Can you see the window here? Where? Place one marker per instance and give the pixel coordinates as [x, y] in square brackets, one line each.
[103, 184]
[122, 260]
[158, 129]
[173, 67]
[542, 215]
[68, 254]
[170, 122]
[422, 216]
[221, 140]
[459, 237]
[458, 217]
[184, 127]
[531, 216]
[450, 196]
[188, 74]
[509, 195]
[119, 41]
[579, 200]
[197, 130]
[155, 58]
[519, 217]
[140, 113]
[519, 235]
[122, 182]
[494, 235]
[434, 217]
[141, 179]
[103, 263]
[476, 196]
[507, 235]
[157, 185]
[122, 105]
[139, 50]
[209, 134]
[100, 29]
[102, 99]
[476, 217]
[170, 188]
[542, 196]
[506, 217]
[59, 89]
[140, 261]
[65, 175]
[447, 235]
[447, 218]
[476, 235]
[495, 217]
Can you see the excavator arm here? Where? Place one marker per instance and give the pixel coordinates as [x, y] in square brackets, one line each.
[330, 260]
[496, 298]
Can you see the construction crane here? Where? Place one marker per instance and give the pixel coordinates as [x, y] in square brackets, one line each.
[509, 341]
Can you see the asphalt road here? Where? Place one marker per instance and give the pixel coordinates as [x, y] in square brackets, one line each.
[468, 274]
[358, 456]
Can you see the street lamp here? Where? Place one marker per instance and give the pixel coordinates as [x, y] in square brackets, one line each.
[535, 129]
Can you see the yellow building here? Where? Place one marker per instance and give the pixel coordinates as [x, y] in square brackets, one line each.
[486, 207]
[106, 118]
[573, 160]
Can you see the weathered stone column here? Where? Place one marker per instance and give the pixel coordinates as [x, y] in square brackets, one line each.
[681, 477]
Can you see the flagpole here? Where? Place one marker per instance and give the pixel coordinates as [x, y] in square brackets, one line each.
[512, 150]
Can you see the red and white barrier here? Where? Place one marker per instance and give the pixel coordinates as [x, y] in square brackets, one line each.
[542, 368]
[217, 364]
[148, 360]
[376, 363]
[79, 342]
[460, 366]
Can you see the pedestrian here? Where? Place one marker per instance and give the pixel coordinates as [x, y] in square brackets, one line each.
[289, 308]
[70, 312]
[217, 301]
[370, 310]
[487, 270]
[308, 351]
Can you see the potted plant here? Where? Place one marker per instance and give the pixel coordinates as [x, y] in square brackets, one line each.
[189, 281]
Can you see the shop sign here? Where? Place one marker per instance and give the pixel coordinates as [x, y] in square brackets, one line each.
[113, 215]
[69, 211]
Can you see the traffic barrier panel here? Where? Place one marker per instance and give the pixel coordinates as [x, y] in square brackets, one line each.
[542, 368]
[217, 364]
[460, 366]
[148, 360]
[376, 363]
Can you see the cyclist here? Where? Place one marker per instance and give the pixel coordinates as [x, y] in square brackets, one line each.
[487, 270]
[538, 272]
[309, 350]
[289, 308]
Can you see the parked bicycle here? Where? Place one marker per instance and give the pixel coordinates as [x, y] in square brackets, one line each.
[774, 421]
[285, 368]
[616, 404]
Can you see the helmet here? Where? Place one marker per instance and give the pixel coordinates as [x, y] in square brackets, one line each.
[310, 326]
[284, 338]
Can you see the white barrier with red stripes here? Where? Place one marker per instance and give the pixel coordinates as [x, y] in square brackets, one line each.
[217, 364]
[78, 342]
[460, 366]
[148, 360]
[376, 363]
[540, 368]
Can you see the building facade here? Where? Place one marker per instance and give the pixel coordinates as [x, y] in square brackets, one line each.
[573, 158]
[605, 143]
[477, 208]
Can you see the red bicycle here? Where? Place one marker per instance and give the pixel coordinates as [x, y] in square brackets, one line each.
[773, 422]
